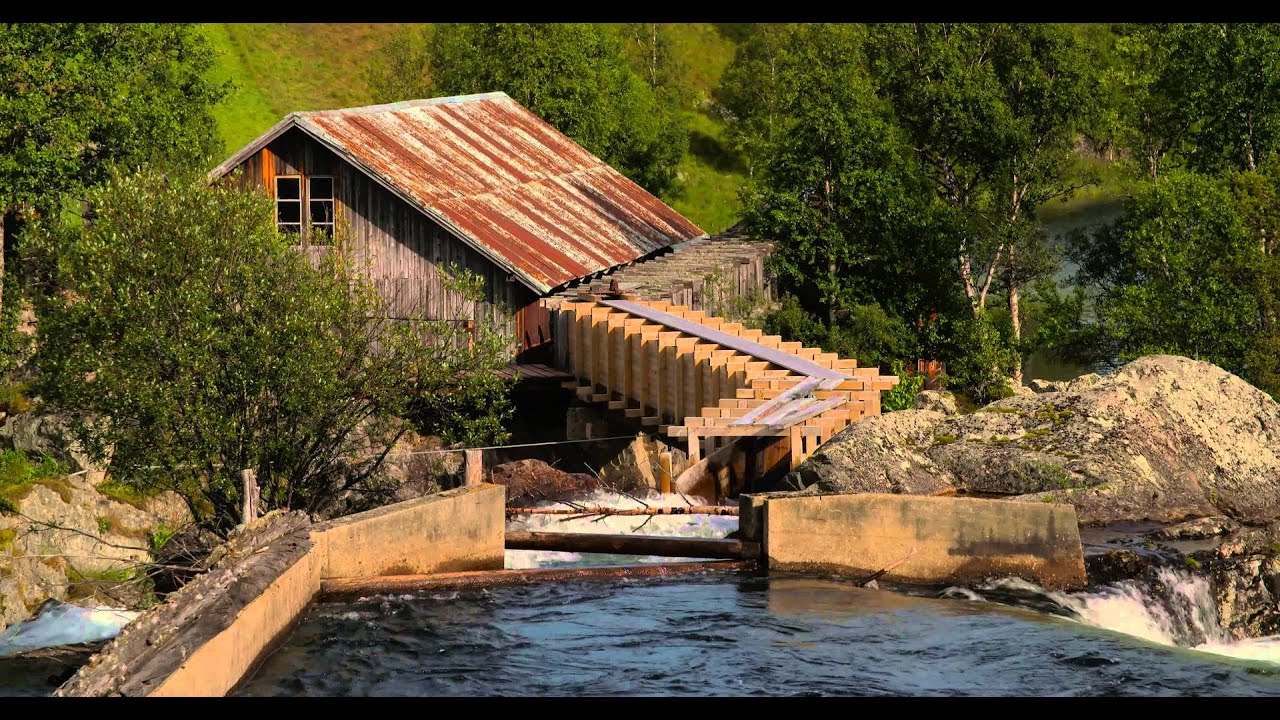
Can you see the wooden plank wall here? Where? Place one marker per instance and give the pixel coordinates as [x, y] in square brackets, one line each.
[688, 386]
[402, 251]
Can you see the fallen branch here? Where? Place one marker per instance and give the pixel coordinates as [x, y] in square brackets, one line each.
[588, 512]
[880, 573]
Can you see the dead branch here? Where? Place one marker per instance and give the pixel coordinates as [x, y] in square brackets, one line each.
[580, 511]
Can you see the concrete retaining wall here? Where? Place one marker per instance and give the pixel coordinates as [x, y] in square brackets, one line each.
[924, 539]
[452, 531]
[218, 665]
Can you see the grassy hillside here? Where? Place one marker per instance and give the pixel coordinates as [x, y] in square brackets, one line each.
[279, 68]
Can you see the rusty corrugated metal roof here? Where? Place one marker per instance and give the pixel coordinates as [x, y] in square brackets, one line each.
[502, 179]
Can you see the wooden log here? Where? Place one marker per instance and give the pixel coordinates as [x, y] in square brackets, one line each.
[356, 587]
[475, 467]
[633, 545]
[690, 510]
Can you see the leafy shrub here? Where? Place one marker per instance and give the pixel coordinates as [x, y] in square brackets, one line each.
[903, 395]
[984, 358]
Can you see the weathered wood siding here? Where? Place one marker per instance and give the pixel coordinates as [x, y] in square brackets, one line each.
[404, 252]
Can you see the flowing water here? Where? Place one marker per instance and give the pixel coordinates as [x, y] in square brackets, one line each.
[745, 634]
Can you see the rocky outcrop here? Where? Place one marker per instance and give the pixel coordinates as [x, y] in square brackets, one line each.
[1166, 439]
[881, 454]
[936, 400]
[70, 541]
[1047, 386]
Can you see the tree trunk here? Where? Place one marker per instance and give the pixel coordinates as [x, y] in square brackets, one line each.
[1015, 320]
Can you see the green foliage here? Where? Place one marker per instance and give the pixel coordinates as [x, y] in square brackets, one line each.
[79, 98]
[186, 340]
[903, 395]
[18, 473]
[943, 439]
[1177, 274]
[863, 332]
[7, 536]
[125, 493]
[992, 111]
[575, 76]
[984, 358]
[13, 398]
[160, 536]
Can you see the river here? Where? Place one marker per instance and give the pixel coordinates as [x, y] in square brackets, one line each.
[750, 634]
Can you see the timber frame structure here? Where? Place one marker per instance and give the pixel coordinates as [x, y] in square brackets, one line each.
[704, 378]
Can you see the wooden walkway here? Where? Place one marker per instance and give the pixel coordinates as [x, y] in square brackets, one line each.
[706, 379]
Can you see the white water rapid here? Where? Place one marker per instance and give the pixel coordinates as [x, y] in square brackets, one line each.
[706, 526]
[1177, 609]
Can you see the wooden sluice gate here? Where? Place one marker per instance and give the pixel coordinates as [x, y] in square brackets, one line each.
[708, 380]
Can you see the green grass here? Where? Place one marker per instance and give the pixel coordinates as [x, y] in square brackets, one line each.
[121, 492]
[245, 113]
[703, 51]
[712, 175]
[18, 474]
[280, 68]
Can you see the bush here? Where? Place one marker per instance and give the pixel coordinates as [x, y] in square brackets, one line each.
[903, 395]
[984, 356]
[186, 339]
[863, 332]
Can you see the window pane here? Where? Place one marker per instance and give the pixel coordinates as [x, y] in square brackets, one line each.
[288, 188]
[288, 212]
[320, 188]
[321, 211]
[295, 229]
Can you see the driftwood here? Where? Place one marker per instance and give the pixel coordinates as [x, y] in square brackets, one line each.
[586, 512]
[881, 572]
[357, 587]
[151, 647]
[634, 545]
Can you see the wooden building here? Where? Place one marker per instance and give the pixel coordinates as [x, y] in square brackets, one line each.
[475, 180]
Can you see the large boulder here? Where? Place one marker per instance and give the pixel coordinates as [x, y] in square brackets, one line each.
[881, 454]
[1166, 438]
[938, 400]
[72, 541]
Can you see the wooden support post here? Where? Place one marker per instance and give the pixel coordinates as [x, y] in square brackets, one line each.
[475, 465]
[695, 447]
[252, 496]
[664, 472]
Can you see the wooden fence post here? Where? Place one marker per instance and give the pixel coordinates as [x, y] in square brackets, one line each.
[249, 509]
[474, 467]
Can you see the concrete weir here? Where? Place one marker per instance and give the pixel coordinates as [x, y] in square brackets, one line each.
[210, 634]
[922, 539]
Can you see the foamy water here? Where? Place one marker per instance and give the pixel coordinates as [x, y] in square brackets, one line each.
[705, 526]
[1177, 610]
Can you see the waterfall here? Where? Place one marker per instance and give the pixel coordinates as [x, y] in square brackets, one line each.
[1176, 608]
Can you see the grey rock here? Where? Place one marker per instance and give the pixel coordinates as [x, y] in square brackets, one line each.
[1047, 386]
[1164, 439]
[936, 400]
[1084, 381]
[1197, 529]
[882, 454]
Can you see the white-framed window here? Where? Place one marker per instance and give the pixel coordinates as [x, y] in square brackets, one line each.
[320, 208]
[289, 203]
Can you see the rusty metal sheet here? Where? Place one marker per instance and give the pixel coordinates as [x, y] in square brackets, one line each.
[502, 179]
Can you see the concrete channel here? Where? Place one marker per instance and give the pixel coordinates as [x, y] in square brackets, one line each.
[211, 634]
